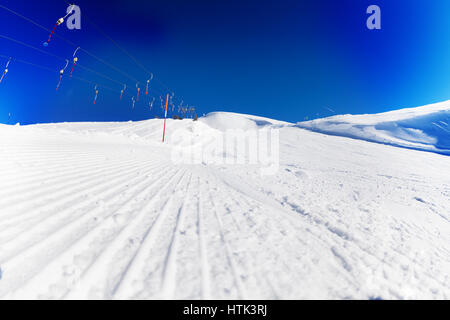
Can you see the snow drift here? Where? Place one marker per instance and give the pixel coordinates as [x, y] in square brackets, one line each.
[424, 128]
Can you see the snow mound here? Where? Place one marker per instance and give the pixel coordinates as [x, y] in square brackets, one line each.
[424, 128]
[226, 120]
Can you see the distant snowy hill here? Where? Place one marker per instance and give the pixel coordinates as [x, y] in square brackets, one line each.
[423, 128]
[103, 211]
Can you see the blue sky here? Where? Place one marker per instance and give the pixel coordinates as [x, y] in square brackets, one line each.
[280, 59]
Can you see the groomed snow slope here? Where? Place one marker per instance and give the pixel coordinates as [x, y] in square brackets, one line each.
[99, 211]
[424, 128]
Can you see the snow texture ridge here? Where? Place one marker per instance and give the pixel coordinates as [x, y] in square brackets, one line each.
[424, 128]
[99, 211]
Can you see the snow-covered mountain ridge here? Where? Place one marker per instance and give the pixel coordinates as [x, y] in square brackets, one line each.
[423, 128]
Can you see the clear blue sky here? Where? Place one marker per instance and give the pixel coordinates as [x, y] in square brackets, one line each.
[281, 59]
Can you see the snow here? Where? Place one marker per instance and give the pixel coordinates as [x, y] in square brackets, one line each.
[224, 121]
[101, 211]
[423, 128]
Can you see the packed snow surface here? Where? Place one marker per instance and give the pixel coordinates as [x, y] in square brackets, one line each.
[423, 128]
[101, 211]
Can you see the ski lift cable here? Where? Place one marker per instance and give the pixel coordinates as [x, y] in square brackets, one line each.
[99, 74]
[53, 70]
[108, 64]
[30, 46]
[60, 58]
[86, 51]
[55, 56]
[140, 65]
[69, 42]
